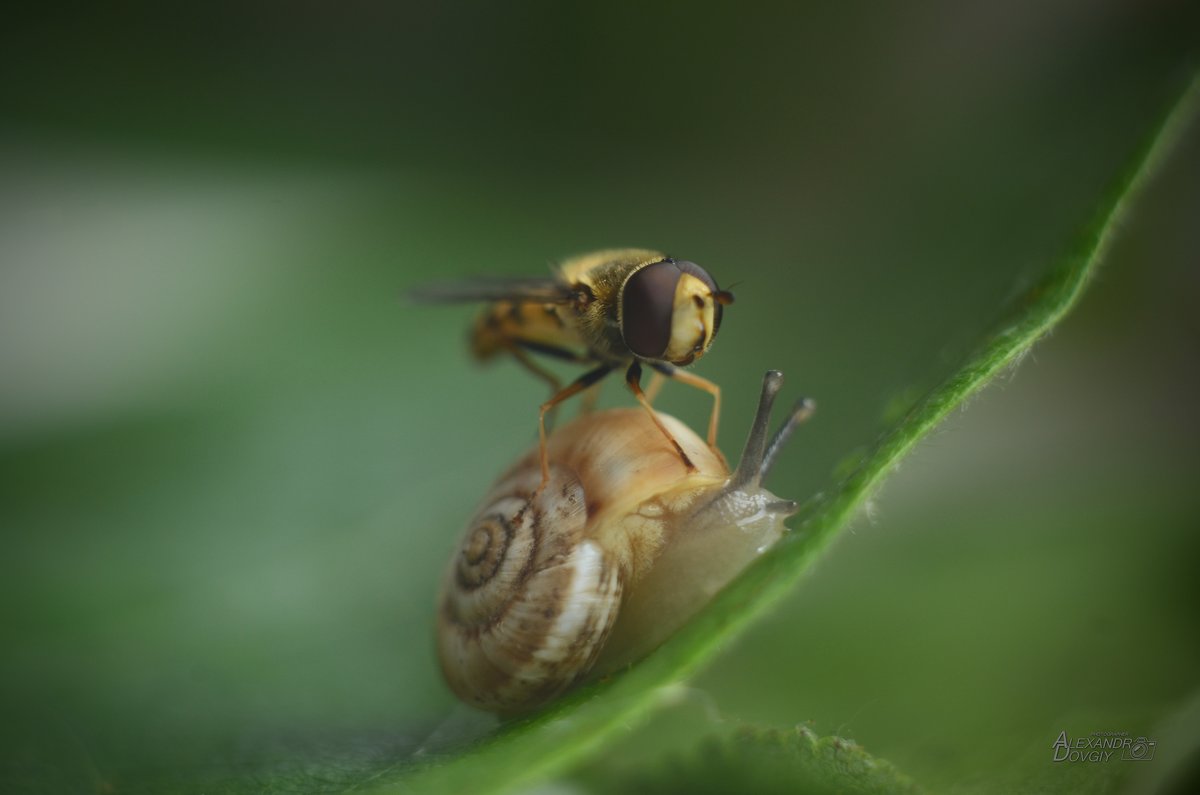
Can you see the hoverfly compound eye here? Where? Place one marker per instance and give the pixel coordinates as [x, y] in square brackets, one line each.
[647, 306]
[670, 311]
[692, 269]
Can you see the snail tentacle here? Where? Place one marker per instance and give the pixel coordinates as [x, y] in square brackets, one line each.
[750, 464]
[801, 411]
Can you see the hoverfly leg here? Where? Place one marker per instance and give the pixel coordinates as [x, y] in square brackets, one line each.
[575, 387]
[633, 377]
[526, 361]
[587, 403]
[521, 350]
[655, 386]
[529, 364]
[554, 352]
[684, 377]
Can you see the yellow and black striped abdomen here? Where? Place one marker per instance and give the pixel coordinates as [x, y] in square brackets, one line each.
[508, 324]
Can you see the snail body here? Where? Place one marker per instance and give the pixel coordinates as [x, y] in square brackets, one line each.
[557, 583]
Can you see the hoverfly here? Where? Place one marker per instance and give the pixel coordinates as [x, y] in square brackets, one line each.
[622, 308]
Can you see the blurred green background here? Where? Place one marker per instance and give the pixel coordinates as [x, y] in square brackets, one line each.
[233, 461]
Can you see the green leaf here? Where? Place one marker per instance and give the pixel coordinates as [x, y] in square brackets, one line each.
[529, 750]
[763, 761]
[227, 484]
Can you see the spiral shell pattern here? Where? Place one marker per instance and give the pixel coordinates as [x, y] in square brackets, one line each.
[528, 600]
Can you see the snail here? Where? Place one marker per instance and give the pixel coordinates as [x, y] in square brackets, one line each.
[554, 585]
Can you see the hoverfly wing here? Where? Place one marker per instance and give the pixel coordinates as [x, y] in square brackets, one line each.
[484, 289]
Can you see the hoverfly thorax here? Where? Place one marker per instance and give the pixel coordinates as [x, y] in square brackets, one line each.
[671, 311]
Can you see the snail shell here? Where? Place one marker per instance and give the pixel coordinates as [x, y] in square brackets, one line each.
[620, 548]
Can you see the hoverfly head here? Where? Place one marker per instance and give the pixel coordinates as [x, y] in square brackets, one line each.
[671, 311]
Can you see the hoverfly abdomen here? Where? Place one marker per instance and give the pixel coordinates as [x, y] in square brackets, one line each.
[505, 324]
